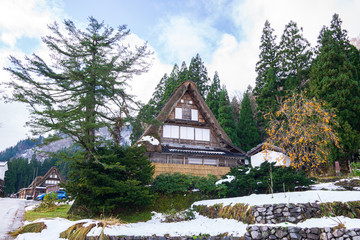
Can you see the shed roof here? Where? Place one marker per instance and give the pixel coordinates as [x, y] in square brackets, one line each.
[260, 147]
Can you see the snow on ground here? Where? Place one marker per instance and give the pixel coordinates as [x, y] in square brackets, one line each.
[288, 197]
[326, 186]
[200, 225]
[331, 185]
[204, 225]
[54, 228]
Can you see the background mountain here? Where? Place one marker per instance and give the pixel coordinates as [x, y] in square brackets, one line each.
[34, 148]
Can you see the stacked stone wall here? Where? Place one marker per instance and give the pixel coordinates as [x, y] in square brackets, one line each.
[268, 232]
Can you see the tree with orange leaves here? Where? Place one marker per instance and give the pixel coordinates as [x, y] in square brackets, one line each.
[304, 129]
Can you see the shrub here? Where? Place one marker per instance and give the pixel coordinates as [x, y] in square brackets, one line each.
[173, 183]
[257, 180]
[167, 183]
[355, 166]
[48, 203]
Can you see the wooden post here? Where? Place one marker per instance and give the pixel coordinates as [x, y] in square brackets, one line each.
[337, 168]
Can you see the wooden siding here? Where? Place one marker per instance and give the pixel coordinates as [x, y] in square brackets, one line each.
[197, 170]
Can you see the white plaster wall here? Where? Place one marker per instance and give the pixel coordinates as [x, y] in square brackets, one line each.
[271, 156]
[3, 169]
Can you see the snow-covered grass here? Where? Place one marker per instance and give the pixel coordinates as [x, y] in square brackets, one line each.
[288, 197]
[213, 227]
[200, 225]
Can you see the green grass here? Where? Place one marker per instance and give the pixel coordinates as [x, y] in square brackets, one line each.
[163, 203]
[58, 211]
[134, 217]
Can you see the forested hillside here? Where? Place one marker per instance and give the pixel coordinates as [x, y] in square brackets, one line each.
[328, 73]
[21, 146]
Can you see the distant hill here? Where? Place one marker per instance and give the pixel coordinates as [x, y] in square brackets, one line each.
[21, 146]
[32, 147]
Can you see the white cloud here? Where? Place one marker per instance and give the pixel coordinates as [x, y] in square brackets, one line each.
[235, 59]
[26, 18]
[181, 38]
[20, 19]
[234, 62]
[143, 86]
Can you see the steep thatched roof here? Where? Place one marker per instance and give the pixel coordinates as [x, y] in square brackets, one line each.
[190, 87]
[39, 180]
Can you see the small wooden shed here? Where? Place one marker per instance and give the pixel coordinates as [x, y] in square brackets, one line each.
[259, 154]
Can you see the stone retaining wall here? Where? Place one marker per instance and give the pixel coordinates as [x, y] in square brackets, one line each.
[168, 238]
[278, 213]
[268, 232]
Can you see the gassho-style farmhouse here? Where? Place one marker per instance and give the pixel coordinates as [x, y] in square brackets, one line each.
[188, 139]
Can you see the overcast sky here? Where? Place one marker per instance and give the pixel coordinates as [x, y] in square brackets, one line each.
[226, 34]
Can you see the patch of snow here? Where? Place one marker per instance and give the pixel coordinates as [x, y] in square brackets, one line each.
[326, 186]
[229, 178]
[150, 139]
[331, 185]
[204, 225]
[29, 208]
[289, 197]
[54, 228]
[200, 225]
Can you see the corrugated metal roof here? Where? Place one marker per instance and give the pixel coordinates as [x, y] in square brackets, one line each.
[197, 151]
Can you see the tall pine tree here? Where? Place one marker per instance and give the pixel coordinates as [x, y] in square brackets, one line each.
[248, 133]
[294, 57]
[198, 74]
[225, 117]
[334, 78]
[267, 57]
[212, 99]
[171, 84]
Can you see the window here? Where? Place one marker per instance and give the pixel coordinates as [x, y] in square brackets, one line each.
[210, 162]
[178, 113]
[194, 115]
[187, 133]
[190, 102]
[202, 134]
[171, 131]
[195, 161]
